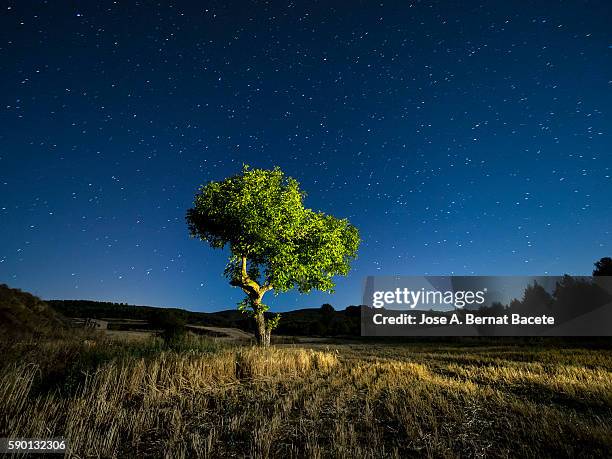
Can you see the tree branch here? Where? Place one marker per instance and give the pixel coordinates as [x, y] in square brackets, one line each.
[245, 275]
[248, 285]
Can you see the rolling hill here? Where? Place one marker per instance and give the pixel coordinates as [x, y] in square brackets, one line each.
[22, 313]
[302, 322]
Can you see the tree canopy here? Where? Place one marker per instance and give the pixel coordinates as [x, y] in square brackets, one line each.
[276, 243]
[603, 267]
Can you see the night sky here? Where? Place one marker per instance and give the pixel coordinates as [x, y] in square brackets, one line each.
[460, 138]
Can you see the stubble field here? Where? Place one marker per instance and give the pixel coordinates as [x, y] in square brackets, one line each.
[203, 398]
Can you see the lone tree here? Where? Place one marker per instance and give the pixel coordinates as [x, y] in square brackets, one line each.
[275, 242]
[603, 267]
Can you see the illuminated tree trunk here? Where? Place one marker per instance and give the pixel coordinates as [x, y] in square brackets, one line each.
[255, 293]
[262, 330]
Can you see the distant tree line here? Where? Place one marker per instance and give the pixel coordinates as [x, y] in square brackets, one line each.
[571, 297]
[603, 267]
[325, 321]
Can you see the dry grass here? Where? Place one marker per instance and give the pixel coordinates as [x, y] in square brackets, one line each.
[350, 401]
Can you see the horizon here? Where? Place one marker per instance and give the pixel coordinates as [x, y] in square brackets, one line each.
[231, 308]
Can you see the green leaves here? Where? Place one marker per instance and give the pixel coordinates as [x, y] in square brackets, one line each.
[260, 215]
[273, 322]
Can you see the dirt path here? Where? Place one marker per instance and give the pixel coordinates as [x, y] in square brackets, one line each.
[230, 333]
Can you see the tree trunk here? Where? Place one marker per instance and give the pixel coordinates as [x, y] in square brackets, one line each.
[262, 333]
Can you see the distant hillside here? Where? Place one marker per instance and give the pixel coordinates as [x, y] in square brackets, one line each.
[22, 313]
[324, 321]
[105, 310]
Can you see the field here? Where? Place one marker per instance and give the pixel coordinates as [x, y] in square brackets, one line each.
[207, 398]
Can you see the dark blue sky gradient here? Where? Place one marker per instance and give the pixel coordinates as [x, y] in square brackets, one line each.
[459, 137]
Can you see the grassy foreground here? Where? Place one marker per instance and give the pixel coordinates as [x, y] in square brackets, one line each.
[202, 399]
